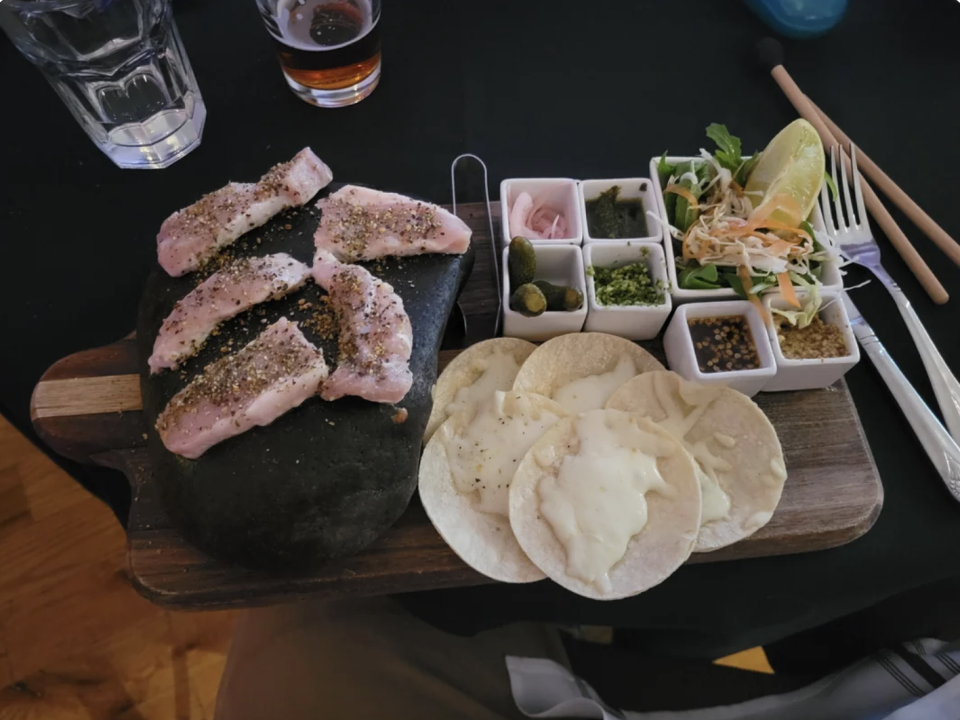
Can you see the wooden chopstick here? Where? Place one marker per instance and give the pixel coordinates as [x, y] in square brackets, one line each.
[897, 196]
[884, 219]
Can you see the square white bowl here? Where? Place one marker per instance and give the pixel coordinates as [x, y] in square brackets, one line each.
[682, 357]
[832, 278]
[560, 193]
[557, 264]
[814, 373]
[633, 322]
[630, 189]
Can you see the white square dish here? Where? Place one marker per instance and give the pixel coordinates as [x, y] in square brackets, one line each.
[682, 356]
[633, 322]
[832, 278]
[795, 374]
[559, 193]
[630, 189]
[557, 264]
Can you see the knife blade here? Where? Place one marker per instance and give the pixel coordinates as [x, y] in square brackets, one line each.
[936, 441]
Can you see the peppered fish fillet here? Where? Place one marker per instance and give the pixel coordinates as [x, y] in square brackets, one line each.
[363, 224]
[223, 295]
[271, 375]
[191, 236]
[376, 337]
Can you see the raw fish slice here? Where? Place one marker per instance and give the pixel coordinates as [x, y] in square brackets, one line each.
[223, 295]
[273, 374]
[189, 237]
[363, 224]
[376, 337]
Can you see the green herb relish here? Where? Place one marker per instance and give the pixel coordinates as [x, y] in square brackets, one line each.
[627, 285]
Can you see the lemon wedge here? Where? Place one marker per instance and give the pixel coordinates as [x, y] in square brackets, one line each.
[793, 165]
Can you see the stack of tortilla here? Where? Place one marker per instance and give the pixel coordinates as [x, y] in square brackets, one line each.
[509, 423]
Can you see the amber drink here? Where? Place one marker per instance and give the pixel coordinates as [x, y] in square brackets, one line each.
[329, 50]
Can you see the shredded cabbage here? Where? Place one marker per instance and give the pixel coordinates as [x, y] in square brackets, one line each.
[811, 304]
[730, 232]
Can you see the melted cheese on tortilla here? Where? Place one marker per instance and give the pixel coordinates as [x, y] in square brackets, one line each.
[484, 454]
[596, 503]
[716, 502]
[497, 372]
[592, 392]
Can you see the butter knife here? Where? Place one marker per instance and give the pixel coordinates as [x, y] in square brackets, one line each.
[940, 447]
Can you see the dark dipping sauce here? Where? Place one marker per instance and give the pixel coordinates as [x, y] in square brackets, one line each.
[723, 344]
[610, 218]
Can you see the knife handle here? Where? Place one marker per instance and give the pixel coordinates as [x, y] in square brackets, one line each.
[945, 385]
[940, 447]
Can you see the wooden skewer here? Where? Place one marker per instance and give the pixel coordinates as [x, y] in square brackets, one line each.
[884, 219]
[897, 196]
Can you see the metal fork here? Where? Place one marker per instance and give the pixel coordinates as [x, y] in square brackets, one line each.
[857, 243]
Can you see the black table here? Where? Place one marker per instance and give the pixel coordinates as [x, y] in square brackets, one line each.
[538, 88]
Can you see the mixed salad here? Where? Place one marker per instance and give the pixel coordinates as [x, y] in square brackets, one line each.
[743, 222]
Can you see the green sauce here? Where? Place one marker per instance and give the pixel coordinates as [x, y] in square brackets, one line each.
[627, 285]
[610, 218]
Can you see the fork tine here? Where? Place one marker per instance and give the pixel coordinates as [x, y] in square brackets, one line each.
[848, 201]
[857, 190]
[826, 211]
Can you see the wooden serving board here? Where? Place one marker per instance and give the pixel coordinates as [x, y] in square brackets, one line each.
[87, 408]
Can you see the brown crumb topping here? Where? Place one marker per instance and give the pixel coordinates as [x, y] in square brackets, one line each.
[816, 340]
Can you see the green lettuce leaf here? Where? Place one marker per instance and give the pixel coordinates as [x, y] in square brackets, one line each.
[664, 168]
[733, 280]
[728, 147]
[759, 283]
[817, 247]
[699, 277]
[743, 174]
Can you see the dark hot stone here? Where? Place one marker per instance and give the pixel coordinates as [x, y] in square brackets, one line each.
[326, 479]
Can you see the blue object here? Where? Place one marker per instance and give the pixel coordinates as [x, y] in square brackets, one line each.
[799, 18]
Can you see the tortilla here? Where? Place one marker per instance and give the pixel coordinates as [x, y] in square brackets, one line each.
[483, 540]
[578, 355]
[651, 556]
[465, 369]
[734, 430]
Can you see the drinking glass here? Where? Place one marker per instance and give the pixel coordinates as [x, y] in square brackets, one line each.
[329, 49]
[120, 67]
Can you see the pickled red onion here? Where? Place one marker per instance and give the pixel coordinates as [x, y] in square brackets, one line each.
[536, 219]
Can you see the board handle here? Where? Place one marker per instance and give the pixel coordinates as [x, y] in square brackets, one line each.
[88, 403]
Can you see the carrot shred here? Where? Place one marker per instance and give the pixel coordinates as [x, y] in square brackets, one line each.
[747, 281]
[751, 228]
[774, 225]
[684, 193]
[787, 290]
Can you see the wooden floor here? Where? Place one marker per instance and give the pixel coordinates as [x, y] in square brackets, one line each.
[76, 641]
